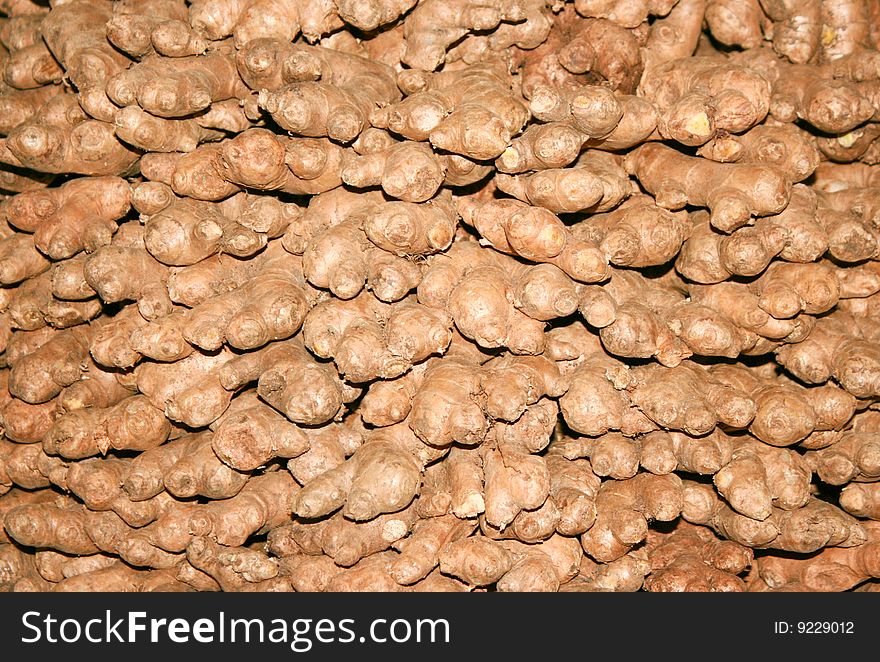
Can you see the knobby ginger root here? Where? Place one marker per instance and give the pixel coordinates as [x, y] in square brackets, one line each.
[736, 193]
[691, 559]
[422, 296]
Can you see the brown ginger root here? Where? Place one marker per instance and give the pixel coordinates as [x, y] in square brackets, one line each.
[855, 457]
[380, 477]
[699, 97]
[191, 85]
[832, 569]
[475, 275]
[419, 552]
[471, 112]
[736, 193]
[78, 216]
[757, 477]
[690, 559]
[804, 530]
[595, 183]
[623, 509]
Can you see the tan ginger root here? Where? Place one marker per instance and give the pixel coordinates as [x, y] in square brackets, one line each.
[556, 144]
[628, 14]
[623, 509]
[855, 457]
[104, 272]
[783, 145]
[736, 25]
[328, 448]
[186, 232]
[420, 551]
[605, 50]
[33, 306]
[250, 438]
[432, 29]
[21, 259]
[371, 245]
[87, 432]
[279, 369]
[234, 568]
[348, 542]
[663, 452]
[788, 289]
[76, 36]
[189, 391]
[343, 259]
[663, 399]
[797, 27]
[515, 481]
[512, 383]
[261, 505]
[269, 307]
[140, 129]
[30, 67]
[371, 574]
[403, 228]
[699, 97]
[407, 171]
[690, 559]
[256, 159]
[471, 112]
[178, 87]
[838, 348]
[368, 341]
[22, 464]
[69, 281]
[541, 567]
[734, 193]
[465, 274]
[331, 94]
[199, 472]
[832, 106]
[758, 332]
[56, 567]
[807, 529]
[60, 139]
[861, 500]
[573, 488]
[524, 34]
[786, 412]
[132, 23]
[623, 575]
[758, 477]
[597, 182]
[41, 375]
[829, 570]
[382, 476]
[596, 400]
[536, 234]
[282, 19]
[78, 216]
[468, 213]
[25, 423]
[476, 560]
[17, 569]
[588, 116]
[60, 527]
[445, 409]
[19, 106]
[641, 318]
[708, 256]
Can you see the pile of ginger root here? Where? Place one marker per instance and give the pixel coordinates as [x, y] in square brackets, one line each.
[440, 295]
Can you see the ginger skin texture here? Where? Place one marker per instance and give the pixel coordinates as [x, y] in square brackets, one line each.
[440, 295]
